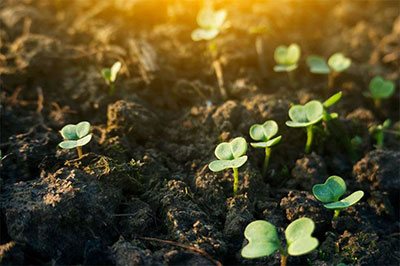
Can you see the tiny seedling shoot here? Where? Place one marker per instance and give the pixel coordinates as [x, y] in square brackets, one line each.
[75, 136]
[230, 155]
[264, 241]
[336, 63]
[330, 192]
[110, 76]
[264, 135]
[380, 89]
[211, 23]
[378, 132]
[287, 59]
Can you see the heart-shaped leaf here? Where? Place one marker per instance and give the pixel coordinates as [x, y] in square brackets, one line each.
[82, 129]
[317, 65]
[346, 202]
[338, 62]
[381, 88]
[298, 237]
[231, 150]
[210, 19]
[68, 144]
[330, 191]
[268, 143]
[116, 67]
[263, 240]
[333, 99]
[83, 141]
[287, 57]
[219, 165]
[204, 34]
[68, 132]
[265, 131]
[305, 115]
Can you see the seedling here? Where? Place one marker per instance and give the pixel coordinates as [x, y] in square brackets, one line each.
[110, 76]
[337, 63]
[230, 155]
[287, 59]
[310, 114]
[264, 133]
[380, 89]
[378, 132]
[76, 136]
[264, 241]
[330, 192]
[211, 22]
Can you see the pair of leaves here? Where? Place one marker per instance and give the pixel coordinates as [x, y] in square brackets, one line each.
[331, 191]
[264, 241]
[380, 88]
[75, 135]
[305, 115]
[287, 57]
[230, 155]
[337, 62]
[110, 74]
[264, 133]
[210, 24]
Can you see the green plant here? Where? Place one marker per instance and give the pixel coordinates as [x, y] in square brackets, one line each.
[264, 133]
[231, 155]
[380, 89]
[287, 58]
[310, 114]
[110, 75]
[378, 132]
[75, 136]
[336, 63]
[330, 192]
[264, 241]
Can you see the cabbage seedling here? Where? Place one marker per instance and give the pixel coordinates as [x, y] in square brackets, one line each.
[330, 192]
[264, 241]
[264, 133]
[378, 132]
[287, 59]
[110, 76]
[211, 23]
[76, 136]
[380, 89]
[230, 155]
[336, 63]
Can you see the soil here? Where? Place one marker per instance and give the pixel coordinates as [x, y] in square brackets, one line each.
[142, 194]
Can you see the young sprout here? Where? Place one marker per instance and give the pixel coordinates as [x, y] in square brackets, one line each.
[264, 133]
[287, 59]
[330, 192]
[380, 89]
[211, 22]
[264, 241]
[230, 155]
[110, 76]
[378, 132]
[76, 136]
[310, 114]
[336, 63]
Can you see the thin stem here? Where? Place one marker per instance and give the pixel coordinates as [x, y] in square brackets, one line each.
[336, 214]
[112, 88]
[292, 79]
[235, 180]
[266, 160]
[377, 103]
[309, 138]
[79, 150]
[331, 79]
[261, 55]
[379, 139]
[284, 260]
[220, 78]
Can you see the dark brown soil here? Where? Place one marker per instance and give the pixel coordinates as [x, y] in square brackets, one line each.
[144, 176]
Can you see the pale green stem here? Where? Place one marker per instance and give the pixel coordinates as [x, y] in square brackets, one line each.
[112, 88]
[379, 139]
[266, 160]
[310, 134]
[79, 150]
[235, 180]
[336, 214]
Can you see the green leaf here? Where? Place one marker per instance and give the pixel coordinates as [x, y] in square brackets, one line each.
[219, 165]
[82, 129]
[346, 202]
[265, 131]
[200, 34]
[282, 68]
[330, 191]
[68, 144]
[83, 141]
[333, 99]
[224, 151]
[106, 73]
[263, 240]
[298, 237]
[314, 110]
[238, 162]
[298, 114]
[68, 132]
[231, 150]
[207, 18]
[338, 62]
[274, 141]
[381, 88]
[287, 57]
[116, 67]
[317, 65]
[305, 115]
